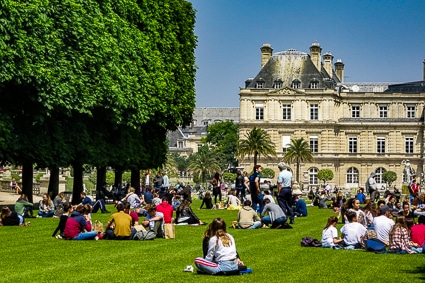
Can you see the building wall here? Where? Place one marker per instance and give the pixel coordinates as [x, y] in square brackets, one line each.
[335, 125]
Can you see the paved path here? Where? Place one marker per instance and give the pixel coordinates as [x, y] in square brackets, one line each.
[7, 198]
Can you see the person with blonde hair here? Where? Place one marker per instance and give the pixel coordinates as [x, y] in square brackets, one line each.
[46, 208]
[221, 255]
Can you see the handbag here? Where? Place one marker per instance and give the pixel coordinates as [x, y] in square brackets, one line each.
[170, 231]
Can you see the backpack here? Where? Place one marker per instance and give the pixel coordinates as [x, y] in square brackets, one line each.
[310, 242]
[144, 235]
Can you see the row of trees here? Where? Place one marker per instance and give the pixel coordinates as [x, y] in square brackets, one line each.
[93, 82]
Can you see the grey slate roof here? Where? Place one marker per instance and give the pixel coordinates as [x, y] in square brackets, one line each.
[290, 65]
[410, 87]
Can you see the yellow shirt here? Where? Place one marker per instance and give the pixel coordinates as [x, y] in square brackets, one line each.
[122, 223]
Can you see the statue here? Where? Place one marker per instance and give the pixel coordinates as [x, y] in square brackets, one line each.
[408, 170]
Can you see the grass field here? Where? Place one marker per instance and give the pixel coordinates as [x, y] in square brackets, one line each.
[30, 254]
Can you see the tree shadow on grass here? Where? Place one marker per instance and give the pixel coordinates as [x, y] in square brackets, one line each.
[419, 270]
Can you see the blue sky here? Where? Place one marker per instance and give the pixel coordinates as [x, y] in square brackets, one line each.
[378, 41]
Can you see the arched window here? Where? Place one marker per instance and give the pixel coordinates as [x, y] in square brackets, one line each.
[378, 177]
[312, 172]
[352, 175]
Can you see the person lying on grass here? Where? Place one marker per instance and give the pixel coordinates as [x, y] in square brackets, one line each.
[219, 249]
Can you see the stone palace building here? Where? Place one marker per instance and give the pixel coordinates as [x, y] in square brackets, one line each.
[353, 129]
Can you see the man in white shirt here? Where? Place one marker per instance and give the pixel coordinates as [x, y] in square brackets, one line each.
[383, 224]
[284, 187]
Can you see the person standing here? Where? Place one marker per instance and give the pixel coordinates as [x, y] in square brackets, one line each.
[166, 181]
[284, 197]
[240, 186]
[216, 184]
[254, 187]
[371, 186]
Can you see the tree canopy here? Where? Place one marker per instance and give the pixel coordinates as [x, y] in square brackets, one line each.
[298, 151]
[325, 175]
[256, 142]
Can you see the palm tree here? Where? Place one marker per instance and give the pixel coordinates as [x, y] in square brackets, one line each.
[256, 142]
[203, 163]
[298, 151]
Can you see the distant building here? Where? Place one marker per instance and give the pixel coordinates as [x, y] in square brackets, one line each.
[352, 128]
[186, 141]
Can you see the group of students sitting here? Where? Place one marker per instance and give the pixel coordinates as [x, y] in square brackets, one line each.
[395, 229]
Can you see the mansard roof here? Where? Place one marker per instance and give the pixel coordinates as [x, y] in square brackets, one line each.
[293, 65]
[411, 87]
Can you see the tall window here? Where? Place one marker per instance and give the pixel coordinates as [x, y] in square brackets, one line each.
[313, 176]
[314, 111]
[379, 173]
[355, 112]
[352, 175]
[383, 111]
[286, 142]
[259, 112]
[380, 145]
[411, 111]
[408, 145]
[314, 144]
[352, 145]
[286, 109]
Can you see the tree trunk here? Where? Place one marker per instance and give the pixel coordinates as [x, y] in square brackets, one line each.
[53, 189]
[135, 180]
[255, 160]
[118, 176]
[78, 183]
[100, 177]
[298, 170]
[27, 179]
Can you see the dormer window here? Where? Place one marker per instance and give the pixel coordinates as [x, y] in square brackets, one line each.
[260, 83]
[277, 84]
[314, 83]
[296, 83]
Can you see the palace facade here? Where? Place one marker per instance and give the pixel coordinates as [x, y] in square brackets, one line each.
[352, 128]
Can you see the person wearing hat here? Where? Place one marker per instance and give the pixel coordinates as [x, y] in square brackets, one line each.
[284, 192]
[383, 224]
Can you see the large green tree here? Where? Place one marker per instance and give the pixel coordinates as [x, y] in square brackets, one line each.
[325, 175]
[298, 152]
[118, 64]
[256, 142]
[223, 137]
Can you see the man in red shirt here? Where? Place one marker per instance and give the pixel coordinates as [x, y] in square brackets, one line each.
[166, 209]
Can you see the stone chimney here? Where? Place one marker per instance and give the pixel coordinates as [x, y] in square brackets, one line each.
[266, 53]
[316, 55]
[328, 58]
[339, 70]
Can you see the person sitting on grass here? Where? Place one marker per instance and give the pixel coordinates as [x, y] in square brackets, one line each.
[207, 200]
[77, 227]
[46, 207]
[383, 224]
[154, 221]
[276, 217]
[248, 217]
[354, 205]
[23, 207]
[418, 232]
[399, 239]
[219, 248]
[119, 225]
[166, 209]
[100, 203]
[300, 207]
[330, 237]
[185, 215]
[58, 202]
[352, 232]
[361, 196]
[11, 218]
[67, 208]
[132, 198]
[232, 201]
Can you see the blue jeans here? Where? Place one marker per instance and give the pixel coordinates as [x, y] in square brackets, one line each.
[46, 214]
[280, 221]
[86, 235]
[285, 202]
[212, 267]
[254, 225]
[257, 198]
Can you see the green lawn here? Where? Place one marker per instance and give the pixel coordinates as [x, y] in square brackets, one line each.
[31, 254]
